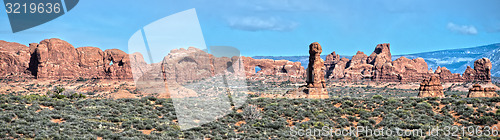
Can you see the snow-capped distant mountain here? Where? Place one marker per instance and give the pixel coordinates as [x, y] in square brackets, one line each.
[456, 60]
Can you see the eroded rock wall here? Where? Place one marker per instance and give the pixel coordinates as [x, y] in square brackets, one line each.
[379, 67]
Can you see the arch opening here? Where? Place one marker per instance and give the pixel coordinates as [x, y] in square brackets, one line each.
[257, 69]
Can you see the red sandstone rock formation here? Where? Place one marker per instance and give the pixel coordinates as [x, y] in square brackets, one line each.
[478, 91]
[357, 68]
[335, 66]
[183, 65]
[14, 59]
[447, 76]
[117, 64]
[316, 67]
[411, 70]
[315, 73]
[379, 67]
[431, 88]
[380, 56]
[331, 59]
[273, 67]
[55, 58]
[358, 59]
[90, 60]
[481, 71]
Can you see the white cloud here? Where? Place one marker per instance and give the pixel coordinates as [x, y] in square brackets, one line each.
[462, 29]
[260, 24]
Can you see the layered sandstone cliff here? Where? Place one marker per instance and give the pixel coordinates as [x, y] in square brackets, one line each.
[57, 59]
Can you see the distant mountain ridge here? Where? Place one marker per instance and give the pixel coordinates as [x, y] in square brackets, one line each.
[456, 60]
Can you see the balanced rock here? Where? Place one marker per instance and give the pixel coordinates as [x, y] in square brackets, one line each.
[431, 88]
[315, 73]
[478, 91]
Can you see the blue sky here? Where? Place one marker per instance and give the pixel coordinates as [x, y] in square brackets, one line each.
[283, 27]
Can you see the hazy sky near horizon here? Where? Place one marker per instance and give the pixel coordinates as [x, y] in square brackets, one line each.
[283, 27]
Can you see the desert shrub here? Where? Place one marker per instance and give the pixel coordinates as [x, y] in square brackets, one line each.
[486, 120]
[347, 103]
[424, 106]
[61, 93]
[378, 97]
[251, 112]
